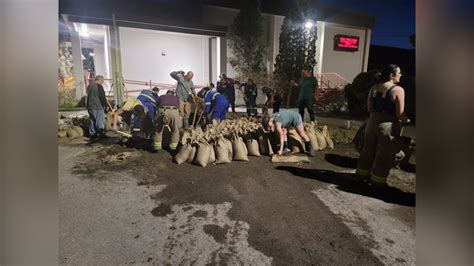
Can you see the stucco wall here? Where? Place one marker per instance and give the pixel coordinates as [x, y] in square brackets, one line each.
[142, 57]
[346, 64]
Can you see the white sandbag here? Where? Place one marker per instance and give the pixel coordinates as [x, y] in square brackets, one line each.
[329, 141]
[192, 154]
[183, 154]
[322, 144]
[79, 131]
[62, 134]
[223, 151]
[252, 147]
[239, 149]
[289, 159]
[312, 136]
[71, 133]
[212, 154]
[202, 154]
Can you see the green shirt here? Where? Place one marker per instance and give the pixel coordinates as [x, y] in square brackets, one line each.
[306, 88]
[287, 118]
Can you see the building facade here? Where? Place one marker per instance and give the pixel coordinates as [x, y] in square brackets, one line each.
[133, 52]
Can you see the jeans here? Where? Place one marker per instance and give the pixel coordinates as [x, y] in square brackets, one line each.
[308, 104]
[97, 122]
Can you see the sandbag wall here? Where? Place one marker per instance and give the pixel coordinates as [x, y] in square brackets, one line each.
[71, 128]
[236, 140]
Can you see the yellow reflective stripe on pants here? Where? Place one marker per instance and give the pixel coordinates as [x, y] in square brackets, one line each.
[157, 145]
[136, 129]
[362, 171]
[173, 145]
[378, 179]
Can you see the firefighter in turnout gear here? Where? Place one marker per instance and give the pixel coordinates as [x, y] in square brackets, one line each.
[167, 108]
[385, 102]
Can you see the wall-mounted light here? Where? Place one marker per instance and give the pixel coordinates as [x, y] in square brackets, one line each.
[91, 54]
[309, 24]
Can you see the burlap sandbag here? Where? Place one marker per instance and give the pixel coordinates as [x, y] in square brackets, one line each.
[329, 141]
[212, 154]
[312, 137]
[289, 159]
[62, 134]
[71, 133]
[264, 144]
[183, 154]
[108, 121]
[295, 143]
[192, 154]
[239, 149]
[252, 147]
[322, 144]
[79, 131]
[202, 154]
[223, 151]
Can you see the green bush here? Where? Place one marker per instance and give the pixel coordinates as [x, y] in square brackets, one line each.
[67, 97]
[333, 102]
[357, 91]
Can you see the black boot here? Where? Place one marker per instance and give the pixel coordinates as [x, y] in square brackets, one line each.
[309, 149]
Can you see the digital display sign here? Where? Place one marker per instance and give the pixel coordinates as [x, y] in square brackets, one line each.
[346, 43]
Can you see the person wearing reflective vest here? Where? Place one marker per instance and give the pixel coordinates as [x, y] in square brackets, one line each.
[386, 104]
[216, 104]
[144, 112]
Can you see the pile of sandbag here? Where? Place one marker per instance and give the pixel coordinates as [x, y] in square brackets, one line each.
[236, 140]
[318, 136]
[219, 143]
[69, 128]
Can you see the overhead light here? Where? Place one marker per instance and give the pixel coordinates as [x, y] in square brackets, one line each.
[308, 25]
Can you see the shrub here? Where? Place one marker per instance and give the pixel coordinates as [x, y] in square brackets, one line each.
[66, 97]
[333, 101]
[357, 91]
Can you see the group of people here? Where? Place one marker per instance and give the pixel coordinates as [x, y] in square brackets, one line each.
[151, 113]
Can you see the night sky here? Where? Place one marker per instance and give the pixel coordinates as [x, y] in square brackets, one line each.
[394, 19]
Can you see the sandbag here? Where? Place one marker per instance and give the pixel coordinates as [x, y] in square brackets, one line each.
[223, 151]
[192, 154]
[183, 154]
[312, 137]
[62, 134]
[79, 131]
[295, 143]
[322, 144]
[329, 141]
[289, 159]
[239, 149]
[264, 145]
[71, 133]
[109, 119]
[202, 154]
[212, 154]
[252, 147]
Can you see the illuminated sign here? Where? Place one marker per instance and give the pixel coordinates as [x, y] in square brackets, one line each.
[346, 43]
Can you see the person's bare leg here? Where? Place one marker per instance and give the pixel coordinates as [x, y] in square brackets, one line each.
[302, 133]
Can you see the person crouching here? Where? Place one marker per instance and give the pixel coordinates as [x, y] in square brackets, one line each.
[280, 122]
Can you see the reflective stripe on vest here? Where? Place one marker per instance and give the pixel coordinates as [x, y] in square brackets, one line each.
[149, 95]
